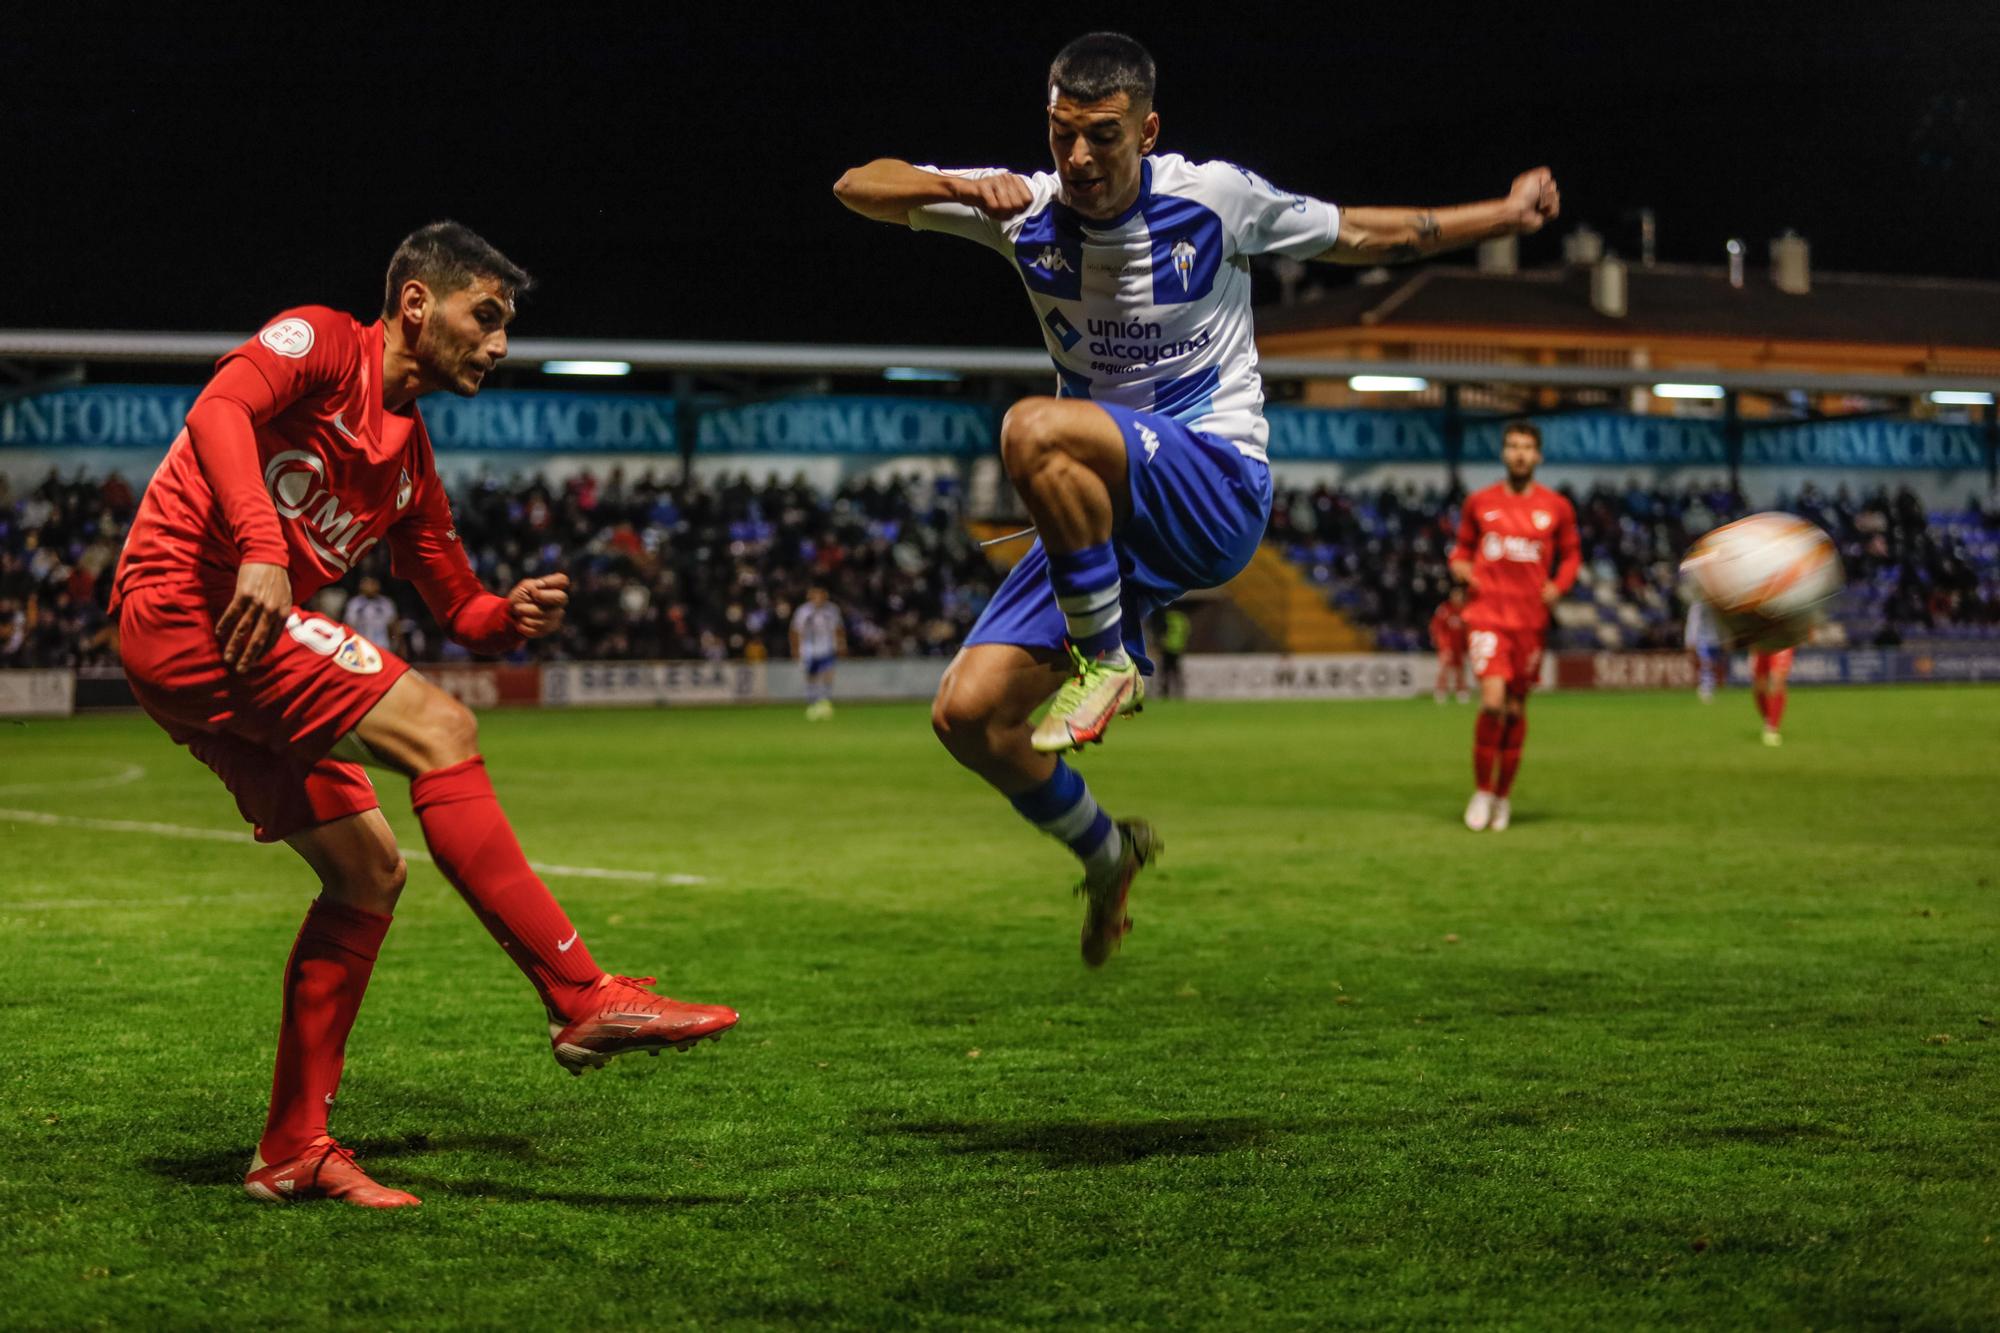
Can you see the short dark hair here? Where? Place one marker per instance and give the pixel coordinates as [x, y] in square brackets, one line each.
[1098, 64]
[1522, 426]
[448, 257]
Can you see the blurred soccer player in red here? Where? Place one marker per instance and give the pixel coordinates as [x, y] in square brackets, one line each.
[1448, 639]
[1508, 535]
[1768, 674]
[305, 450]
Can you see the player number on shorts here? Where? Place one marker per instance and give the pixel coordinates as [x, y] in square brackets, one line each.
[1482, 644]
[322, 636]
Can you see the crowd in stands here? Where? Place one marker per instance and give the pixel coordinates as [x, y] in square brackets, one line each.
[658, 569]
[679, 569]
[1383, 554]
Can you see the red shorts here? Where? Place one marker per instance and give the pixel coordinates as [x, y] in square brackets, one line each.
[1763, 665]
[265, 732]
[1512, 655]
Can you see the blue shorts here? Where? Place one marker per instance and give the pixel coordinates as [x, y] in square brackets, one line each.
[1199, 508]
[814, 665]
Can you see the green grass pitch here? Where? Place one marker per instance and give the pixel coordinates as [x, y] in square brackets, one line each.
[1707, 1039]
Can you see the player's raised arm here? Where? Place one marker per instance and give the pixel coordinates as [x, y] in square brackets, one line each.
[424, 548]
[889, 190]
[1379, 235]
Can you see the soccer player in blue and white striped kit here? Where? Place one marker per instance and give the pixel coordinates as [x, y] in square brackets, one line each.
[1146, 474]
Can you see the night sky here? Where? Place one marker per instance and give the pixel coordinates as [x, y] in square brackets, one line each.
[668, 177]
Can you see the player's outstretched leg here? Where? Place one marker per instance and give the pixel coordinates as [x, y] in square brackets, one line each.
[1067, 461]
[593, 1016]
[1488, 730]
[1513, 735]
[361, 875]
[981, 714]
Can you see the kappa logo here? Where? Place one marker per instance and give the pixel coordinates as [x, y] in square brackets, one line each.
[1183, 255]
[291, 338]
[1051, 260]
[1151, 441]
[403, 489]
[296, 480]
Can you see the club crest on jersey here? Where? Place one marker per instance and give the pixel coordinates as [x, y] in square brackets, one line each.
[358, 655]
[1183, 256]
[297, 483]
[291, 338]
[1542, 518]
[403, 489]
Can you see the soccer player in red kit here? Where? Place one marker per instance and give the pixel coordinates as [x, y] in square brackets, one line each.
[305, 450]
[1768, 674]
[1448, 639]
[1508, 534]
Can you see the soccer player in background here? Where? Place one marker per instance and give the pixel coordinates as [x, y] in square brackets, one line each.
[1448, 639]
[1768, 674]
[372, 615]
[1704, 641]
[1508, 534]
[1146, 475]
[819, 639]
[304, 450]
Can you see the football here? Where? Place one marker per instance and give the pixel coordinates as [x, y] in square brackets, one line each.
[1767, 578]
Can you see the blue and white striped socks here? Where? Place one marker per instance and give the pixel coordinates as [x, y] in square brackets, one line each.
[1064, 809]
[1086, 584]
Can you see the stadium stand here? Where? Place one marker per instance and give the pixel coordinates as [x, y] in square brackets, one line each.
[1381, 557]
[713, 570]
[660, 570]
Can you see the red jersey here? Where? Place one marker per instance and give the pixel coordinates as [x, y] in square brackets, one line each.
[324, 474]
[1448, 629]
[1510, 539]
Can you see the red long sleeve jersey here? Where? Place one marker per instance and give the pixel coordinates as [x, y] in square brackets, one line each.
[326, 474]
[1510, 540]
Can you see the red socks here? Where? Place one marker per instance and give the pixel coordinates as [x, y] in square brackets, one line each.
[475, 848]
[1772, 705]
[325, 979]
[1486, 733]
[1511, 739]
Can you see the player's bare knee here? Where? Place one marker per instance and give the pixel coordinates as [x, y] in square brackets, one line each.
[1030, 437]
[962, 726]
[451, 732]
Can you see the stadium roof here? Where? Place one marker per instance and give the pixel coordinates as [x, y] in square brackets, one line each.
[1666, 300]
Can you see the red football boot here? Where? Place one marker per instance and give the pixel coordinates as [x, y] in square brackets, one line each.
[325, 1170]
[624, 1016]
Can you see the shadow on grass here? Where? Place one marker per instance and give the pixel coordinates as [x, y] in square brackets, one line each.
[1072, 1143]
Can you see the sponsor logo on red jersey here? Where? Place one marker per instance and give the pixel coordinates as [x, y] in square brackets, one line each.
[297, 482]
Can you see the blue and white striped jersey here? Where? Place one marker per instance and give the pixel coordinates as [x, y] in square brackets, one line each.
[1151, 310]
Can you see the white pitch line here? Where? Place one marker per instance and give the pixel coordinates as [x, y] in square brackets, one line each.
[47, 819]
[124, 777]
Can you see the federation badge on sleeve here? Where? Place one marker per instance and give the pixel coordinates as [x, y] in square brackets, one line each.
[291, 338]
[358, 655]
[403, 489]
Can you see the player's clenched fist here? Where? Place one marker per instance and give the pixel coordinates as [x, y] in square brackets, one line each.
[536, 605]
[999, 196]
[250, 623]
[1535, 199]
